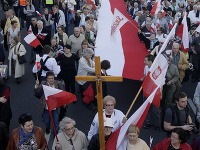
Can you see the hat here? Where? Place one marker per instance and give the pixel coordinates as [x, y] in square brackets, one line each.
[79, 11]
[86, 51]
[108, 122]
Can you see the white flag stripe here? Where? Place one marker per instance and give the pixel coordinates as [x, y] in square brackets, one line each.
[50, 91]
[29, 38]
[136, 116]
[185, 37]
[37, 58]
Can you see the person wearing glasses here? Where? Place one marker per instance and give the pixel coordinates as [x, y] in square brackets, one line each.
[156, 50]
[27, 136]
[177, 140]
[133, 141]
[70, 138]
[118, 118]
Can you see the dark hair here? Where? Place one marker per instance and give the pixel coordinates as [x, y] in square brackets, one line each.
[150, 58]
[87, 18]
[13, 22]
[49, 73]
[182, 134]
[83, 27]
[15, 38]
[24, 118]
[105, 64]
[68, 46]
[61, 27]
[179, 95]
[46, 49]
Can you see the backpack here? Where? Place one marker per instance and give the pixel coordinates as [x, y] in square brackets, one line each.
[42, 63]
[175, 111]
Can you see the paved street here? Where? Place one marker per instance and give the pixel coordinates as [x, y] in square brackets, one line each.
[23, 100]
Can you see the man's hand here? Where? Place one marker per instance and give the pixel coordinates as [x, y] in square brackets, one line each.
[187, 127]
[124, 120]
[58, 146]
[3, 99]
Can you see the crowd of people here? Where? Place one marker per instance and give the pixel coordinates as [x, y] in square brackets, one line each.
[64, 56]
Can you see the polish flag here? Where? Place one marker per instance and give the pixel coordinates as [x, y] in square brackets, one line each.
[157, 23]
[118, 21]
[32, 40]
[39, 14]
[158, 69]
[170, 24]
[124, 49]
[153, 28]
[29, 30]
[156, 8]
[41, 35]
[182, 32]
[37, 62]
[198, 29]
[56, 98]
[117, 140]
[92, 2]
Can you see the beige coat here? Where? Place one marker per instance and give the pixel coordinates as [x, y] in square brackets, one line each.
[65, 38]
[8, 23]
[19, 68]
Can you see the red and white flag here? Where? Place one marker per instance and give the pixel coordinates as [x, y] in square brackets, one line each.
[158, 69]
[118, 21]
[117, 140]
[198, 29]
[156, 8]
[182, 32]
[29, 30]
[56, 98]
[170, 24]
[41, 36]
[37, 62]
[124, 49]
[39, 14]
[92, 2]
[32, 40]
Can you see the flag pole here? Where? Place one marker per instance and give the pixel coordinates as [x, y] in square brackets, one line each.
[134, 25]
[133, 101]
[53, 126]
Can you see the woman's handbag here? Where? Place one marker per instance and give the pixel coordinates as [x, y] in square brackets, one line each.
[21, 59]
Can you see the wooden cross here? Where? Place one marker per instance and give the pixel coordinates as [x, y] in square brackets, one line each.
[99, 79]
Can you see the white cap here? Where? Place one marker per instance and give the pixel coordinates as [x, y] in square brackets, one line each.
[108, 122]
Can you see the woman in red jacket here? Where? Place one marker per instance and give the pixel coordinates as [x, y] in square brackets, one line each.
[177, 141]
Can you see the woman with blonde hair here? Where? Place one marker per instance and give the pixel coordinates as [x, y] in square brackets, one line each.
[133, 141]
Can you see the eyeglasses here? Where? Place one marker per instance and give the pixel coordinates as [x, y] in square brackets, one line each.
[110, 105]
[69, 129]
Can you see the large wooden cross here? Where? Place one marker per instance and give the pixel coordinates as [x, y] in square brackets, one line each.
[99, 79]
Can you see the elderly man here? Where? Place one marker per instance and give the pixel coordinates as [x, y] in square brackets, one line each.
[118, 118]
[70, 138]
[179, 59]
[76, 40]
[108, 126]
[161, 22]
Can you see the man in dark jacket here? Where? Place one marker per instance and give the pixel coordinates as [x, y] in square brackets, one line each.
[94, 143]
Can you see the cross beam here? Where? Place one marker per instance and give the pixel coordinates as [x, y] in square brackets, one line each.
[99, 79]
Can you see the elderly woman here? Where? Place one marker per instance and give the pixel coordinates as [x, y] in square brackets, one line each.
[118, 118]
[61, 36]
[56, 49]
[16, 50]
[70, 137]
[86, 67]
[27, 136]
[177, 140]
[132, 141]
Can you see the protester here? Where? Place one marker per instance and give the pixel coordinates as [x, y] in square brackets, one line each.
[133, 141]
[68, 63]
[178, 140]
[196, 101]
[70, 137]
[117, 117]
[29, 12]
[75, 40]
[61, 36]
[94, 142]
[180, 112]
[16, 50]
[55, 48]
[50, 81]
[5, 109]
[27, 136]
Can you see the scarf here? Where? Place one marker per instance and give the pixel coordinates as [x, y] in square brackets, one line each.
[24, 137]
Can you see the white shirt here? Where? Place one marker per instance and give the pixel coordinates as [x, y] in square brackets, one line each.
[146, 70]
[117, 117]
[193, 18]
